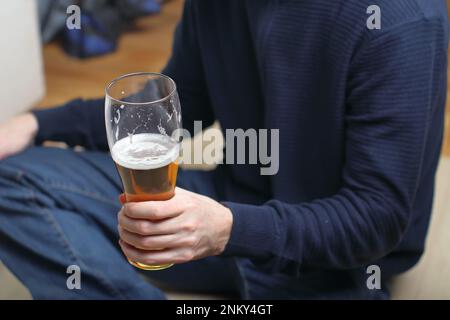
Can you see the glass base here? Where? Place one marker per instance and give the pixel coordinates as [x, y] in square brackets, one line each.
[150, 267]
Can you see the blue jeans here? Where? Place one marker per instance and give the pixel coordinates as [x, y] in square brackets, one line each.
[59, 208]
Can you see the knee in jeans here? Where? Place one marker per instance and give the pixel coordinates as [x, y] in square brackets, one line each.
[15, 189]
[9, 174]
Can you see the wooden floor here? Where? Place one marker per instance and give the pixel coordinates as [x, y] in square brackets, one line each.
[146, 48]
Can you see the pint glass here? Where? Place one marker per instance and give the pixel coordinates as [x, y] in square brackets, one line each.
[143, 118]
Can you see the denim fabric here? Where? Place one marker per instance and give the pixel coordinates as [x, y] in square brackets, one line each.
[59, 208]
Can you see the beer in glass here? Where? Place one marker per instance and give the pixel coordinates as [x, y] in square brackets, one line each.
[143, 118]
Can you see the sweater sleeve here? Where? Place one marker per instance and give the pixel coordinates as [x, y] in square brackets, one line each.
[391, 94]
[78, 122]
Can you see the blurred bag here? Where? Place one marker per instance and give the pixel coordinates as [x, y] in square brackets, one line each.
[102, 22]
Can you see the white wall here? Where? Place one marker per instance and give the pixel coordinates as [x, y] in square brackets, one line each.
[21, 70]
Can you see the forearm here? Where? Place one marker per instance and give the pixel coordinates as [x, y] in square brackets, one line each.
[78, 122]
[344, 231]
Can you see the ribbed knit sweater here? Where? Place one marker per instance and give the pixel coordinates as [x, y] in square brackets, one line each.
[360, 114]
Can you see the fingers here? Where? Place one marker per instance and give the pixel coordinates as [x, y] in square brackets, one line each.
[175, 255]
[157, 242]
[156, 210]
[158, 232]
[147, 227]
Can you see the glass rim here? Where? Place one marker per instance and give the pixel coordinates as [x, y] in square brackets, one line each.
[128, 75]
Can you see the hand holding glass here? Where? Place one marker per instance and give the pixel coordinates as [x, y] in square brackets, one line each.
[143, 122]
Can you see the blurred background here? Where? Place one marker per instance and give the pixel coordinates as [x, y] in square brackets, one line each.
[43, 65]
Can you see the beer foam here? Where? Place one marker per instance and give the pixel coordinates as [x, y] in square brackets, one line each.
[145, 151]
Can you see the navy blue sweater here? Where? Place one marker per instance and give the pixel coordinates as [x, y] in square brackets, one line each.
[360, 114]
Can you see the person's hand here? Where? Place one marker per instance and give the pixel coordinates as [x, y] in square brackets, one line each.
[187, 227]
[17, 134]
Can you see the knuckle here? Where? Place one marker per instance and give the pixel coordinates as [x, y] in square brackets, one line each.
[156, 212]
[190, 203]
[146, 242]
[190, 227]
[128, 208]
[120, 231]
[142, 227]
[189, 241]
[188, 255]
[142, 242]
[120, 216]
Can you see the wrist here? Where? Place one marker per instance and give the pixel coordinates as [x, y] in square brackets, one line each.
[226, 226]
